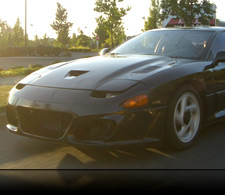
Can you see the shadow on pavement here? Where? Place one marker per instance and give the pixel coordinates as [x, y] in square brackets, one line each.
[206, 153]
[17, 151]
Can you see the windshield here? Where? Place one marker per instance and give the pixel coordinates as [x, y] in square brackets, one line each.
[171, 43]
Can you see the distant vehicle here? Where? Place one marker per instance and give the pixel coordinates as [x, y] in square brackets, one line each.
[163, 84]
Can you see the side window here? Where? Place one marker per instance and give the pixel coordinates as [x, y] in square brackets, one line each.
[218, 45]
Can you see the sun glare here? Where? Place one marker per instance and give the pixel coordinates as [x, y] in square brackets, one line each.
[41, 13]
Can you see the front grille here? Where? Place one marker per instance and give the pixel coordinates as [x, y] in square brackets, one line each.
[43, 123]
[87, 129]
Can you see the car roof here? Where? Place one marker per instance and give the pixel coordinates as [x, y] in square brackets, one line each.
[214, 28]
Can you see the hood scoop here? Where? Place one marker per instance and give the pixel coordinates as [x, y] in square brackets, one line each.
[75, 73]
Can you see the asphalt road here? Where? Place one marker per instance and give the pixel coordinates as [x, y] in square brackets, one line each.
[29, 164]
[25, 153]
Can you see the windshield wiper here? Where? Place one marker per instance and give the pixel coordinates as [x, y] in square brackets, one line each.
[114, 54]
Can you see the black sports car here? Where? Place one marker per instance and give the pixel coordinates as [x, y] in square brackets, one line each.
[162, 84]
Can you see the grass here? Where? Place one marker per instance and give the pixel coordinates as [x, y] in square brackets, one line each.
[4, 92]
[18, 71]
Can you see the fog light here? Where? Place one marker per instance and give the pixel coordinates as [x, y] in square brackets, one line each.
[137, 101]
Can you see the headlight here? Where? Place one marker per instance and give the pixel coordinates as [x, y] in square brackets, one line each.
[104, 94]
[111, 95]
[111, 89]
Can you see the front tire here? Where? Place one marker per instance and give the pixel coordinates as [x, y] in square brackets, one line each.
[184, 118]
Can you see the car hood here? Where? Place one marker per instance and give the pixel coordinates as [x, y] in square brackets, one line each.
[91, 73]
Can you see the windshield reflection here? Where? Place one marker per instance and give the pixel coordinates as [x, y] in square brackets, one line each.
[171, 43]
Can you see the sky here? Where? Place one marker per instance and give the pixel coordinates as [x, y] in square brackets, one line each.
[41, 13]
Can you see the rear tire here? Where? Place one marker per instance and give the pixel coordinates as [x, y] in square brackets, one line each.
[184, 119]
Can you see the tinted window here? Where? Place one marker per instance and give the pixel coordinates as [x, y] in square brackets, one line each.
[218, 45]
[175, 43]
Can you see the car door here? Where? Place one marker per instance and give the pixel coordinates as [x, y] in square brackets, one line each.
[218, 72]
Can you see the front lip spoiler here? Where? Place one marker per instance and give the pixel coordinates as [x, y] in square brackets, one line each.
[118, 143]
[69, 138]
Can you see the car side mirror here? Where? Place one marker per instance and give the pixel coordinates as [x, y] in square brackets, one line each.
[104, 51]
[220, 57]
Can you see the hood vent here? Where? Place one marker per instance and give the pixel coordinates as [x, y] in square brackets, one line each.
[75, 73]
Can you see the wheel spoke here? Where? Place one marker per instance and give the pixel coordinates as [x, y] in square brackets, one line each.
[179, 118]
[193, 125]
[183, 105]
[186, 128]
[183, 131]
[186, 117]
[193, 108]
[179, 114]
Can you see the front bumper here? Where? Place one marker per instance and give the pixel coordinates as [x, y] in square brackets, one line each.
[81, 124]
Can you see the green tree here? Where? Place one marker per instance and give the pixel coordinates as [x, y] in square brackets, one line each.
[36, 40]
[119, 35]
[187, 10]
[113, 17]
[61, 26]
[101, 31]
[9, 40]
[153, 21]
[82, 39]
[5, 34]
[73, 40]
[45, 40]
[18, 34]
